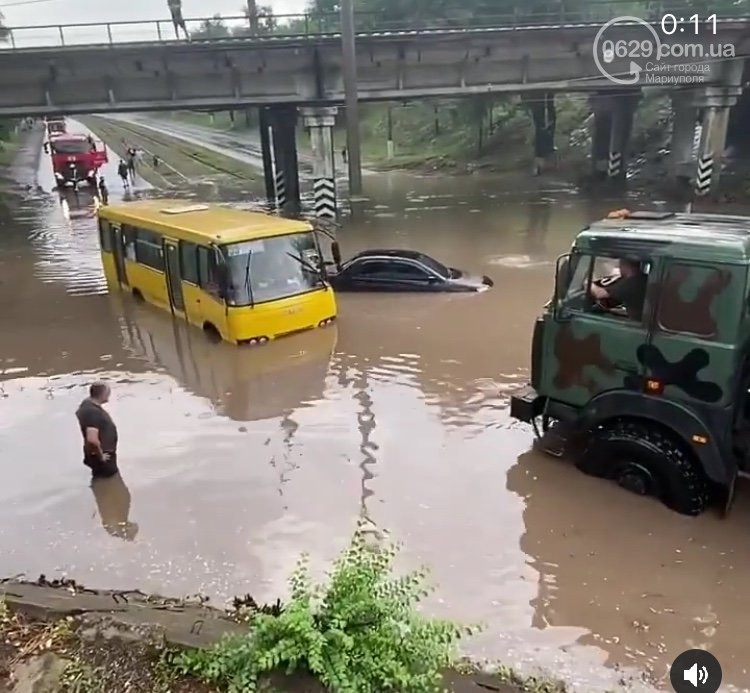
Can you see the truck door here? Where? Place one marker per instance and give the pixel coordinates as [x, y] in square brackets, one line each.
[690, 354]
[589, 350]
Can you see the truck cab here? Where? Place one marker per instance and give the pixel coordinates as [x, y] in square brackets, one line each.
[639, 363]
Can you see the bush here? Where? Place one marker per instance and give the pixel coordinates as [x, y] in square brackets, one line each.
[360, 634]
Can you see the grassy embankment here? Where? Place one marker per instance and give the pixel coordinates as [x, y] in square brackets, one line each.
[9, 142]
[178, 161]
[465, 134]
[360, 631]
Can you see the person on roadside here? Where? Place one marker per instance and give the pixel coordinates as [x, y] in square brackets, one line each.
[175, 9]
[99, 432]
[132, 156]
[122, 171]
[103, 191]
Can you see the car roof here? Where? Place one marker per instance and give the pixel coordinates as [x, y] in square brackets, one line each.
[394, 253]
[705, 237]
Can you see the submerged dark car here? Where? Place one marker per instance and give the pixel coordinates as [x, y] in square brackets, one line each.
[403, 270]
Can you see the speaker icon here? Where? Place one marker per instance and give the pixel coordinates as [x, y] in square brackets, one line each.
[695, 675]
[695, 671]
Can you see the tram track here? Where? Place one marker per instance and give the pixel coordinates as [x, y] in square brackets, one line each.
[168, 161]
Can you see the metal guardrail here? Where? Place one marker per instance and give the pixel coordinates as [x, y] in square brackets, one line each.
[310, 25]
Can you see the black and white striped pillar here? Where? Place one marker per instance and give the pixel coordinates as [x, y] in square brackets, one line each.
[704, 179]
[279, 184]
[614, 166]
[324, 191]
[320, 122]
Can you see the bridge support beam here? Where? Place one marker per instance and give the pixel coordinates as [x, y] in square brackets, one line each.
[266, 149]
[613, 125]
[682, 143]
[280, 147]
[320, 122]
[715, 103]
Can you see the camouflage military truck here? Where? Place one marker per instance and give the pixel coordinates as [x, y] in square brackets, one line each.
[642, 357]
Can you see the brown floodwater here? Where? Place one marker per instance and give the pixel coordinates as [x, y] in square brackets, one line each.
[234, 461]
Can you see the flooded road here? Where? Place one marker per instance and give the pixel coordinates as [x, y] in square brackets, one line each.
[236, 460]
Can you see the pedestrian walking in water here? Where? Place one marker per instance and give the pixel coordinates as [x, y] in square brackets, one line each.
[175, 9]
[132, 155]
[99, 432]
[103, 191]
[343, 154]
[122, 171]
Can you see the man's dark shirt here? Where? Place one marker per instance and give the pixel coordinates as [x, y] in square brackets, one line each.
[631, 293]
[91, 415]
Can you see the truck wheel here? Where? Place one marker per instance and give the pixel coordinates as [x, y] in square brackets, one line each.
[644, 460]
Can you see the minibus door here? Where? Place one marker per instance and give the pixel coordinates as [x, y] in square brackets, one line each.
[174, 279]
[118, 248]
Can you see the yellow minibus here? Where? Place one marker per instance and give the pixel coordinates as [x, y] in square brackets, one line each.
[245, 276]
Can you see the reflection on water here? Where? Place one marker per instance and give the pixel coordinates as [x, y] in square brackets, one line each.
[240, 459]
[113, 503]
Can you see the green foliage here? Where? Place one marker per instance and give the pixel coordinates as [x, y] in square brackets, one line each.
[359, 634]
[79, 678]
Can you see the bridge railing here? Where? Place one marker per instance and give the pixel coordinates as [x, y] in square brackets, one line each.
[209, 29]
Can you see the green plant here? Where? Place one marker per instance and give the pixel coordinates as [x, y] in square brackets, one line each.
[78, 678]
[360, 634]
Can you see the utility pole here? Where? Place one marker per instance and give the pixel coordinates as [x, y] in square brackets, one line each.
[349, 53]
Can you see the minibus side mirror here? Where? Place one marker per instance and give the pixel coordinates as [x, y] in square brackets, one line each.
[336, 253]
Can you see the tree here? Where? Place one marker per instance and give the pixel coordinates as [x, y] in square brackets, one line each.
[4, 33]
[261, 20]
[211, 29]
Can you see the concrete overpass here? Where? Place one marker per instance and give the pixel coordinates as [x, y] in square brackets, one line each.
[282, 73]
[307, 70]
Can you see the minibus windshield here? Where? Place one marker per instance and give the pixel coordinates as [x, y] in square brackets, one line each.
[271, 268]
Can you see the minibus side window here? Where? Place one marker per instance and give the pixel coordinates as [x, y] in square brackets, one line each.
[189, 262]
[148, 250]
[207, 275]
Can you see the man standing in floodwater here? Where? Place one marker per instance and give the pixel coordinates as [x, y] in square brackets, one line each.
[99, 432]
[175, 9]
[122, 171]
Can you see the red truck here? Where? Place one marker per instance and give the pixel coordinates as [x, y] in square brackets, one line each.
[75, 158]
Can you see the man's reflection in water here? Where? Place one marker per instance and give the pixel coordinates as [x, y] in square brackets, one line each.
[113, 502]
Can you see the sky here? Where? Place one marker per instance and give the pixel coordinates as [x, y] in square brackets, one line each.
[72, 11]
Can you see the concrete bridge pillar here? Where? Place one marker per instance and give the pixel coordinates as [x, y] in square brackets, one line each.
[278, 136]
[715, 103]
[320, 122]
[600, 136]
[613, 125]
[684, 122]
[544, 115]
[623, 110]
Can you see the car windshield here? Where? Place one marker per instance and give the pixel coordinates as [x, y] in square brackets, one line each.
[435, 266]
[71, 147]
[272, 268]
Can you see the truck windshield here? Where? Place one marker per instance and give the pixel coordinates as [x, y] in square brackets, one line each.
[71, 147]
[272, 268]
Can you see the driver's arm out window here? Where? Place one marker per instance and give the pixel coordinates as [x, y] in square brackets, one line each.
[605, 271]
